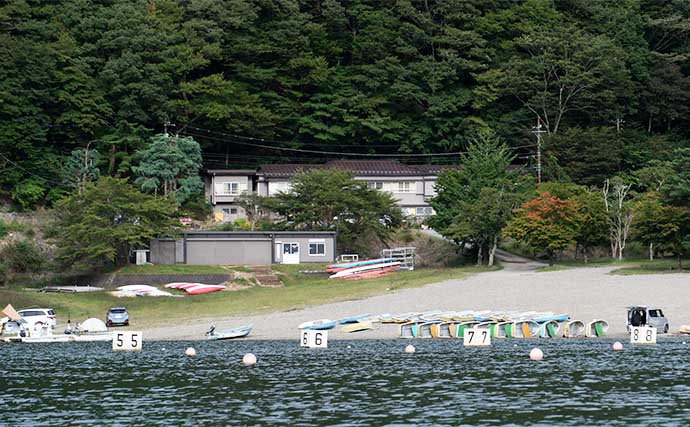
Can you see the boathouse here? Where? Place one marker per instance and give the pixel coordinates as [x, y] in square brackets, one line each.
[245, 248]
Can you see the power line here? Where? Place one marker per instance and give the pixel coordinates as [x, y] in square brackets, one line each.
[29, 172]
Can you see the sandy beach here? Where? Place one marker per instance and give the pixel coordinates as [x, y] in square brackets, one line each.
[584, 293]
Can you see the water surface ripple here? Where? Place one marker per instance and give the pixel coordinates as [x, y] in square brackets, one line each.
[353, 383]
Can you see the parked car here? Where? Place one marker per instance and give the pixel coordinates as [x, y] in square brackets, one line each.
[641, 315]
[117, 316]
[44, 316]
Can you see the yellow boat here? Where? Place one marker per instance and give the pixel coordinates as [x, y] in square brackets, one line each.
[357, 327]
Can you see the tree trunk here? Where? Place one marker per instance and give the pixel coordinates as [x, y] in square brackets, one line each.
[480, 254]
[651, 251]
[649, 124]
[492, 251]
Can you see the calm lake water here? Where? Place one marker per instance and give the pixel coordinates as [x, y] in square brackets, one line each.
[580, 382]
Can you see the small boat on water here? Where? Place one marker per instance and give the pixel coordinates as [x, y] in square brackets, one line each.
[596, 328]
[317, 325]
[238, 332]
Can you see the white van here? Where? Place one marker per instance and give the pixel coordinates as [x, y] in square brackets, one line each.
[39, 315]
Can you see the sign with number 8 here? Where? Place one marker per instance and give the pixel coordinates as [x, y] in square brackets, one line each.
[643, 335]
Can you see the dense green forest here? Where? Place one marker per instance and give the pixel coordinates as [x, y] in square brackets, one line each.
[607, 80]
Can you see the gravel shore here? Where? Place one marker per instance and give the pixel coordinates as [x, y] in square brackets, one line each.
[584, 293]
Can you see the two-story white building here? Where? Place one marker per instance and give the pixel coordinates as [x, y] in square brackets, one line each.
[411, 185]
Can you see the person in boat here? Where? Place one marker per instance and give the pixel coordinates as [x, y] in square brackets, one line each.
[211, 330]
[77, 328]
[68, 329]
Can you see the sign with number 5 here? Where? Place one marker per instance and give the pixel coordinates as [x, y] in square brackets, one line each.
[127, 340]
[477, 337]
[642, 335]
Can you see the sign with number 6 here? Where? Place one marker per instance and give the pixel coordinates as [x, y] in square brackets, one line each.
[127, 340]
[477, 337]
[314, 339]
[642, 335]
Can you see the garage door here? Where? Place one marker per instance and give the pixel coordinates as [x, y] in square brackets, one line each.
[228, 252]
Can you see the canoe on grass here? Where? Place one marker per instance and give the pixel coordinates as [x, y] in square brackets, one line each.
[317, 325]
[386, 266]
[358, 327]
[239, 332]
[596, 328]
[343, 266]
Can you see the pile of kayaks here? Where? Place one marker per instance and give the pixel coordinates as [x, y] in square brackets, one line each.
[195, 288]
[365, 269]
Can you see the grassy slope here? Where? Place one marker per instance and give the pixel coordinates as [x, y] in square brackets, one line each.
[300, 290]
[663, 266]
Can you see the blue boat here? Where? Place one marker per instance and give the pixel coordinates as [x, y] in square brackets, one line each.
[558, 318]
[353, 319]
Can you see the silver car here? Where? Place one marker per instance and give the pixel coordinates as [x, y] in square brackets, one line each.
[641, 315]
[117, 316]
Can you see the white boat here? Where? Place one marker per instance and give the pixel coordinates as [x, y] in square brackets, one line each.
[573, 329]
[596, 328]
[363, 269]
[239, 332]
[525, 329]
[550, 329]
[320, 324]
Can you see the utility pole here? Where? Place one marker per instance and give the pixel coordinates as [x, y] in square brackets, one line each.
[538, 131]
[165, 128]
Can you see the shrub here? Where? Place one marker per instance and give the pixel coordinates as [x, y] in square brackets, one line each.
[3, 274]
[28, 193]
[23, 256]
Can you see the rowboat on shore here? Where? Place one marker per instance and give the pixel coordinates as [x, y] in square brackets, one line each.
[550, 329]
[525, 329]
[366, 269]
[409, 330]
[353, 319]
[573, 329]
[596, 328]
[358, 327]
[425, 329]
[440, 330]
[96, 337]
[239, 332]
[317, 325]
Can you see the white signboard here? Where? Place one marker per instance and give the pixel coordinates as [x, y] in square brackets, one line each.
[314, 339]
[642, 335]
[127, 340]
[477, 337]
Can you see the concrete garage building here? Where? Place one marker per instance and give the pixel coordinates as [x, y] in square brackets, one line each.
[245, 248]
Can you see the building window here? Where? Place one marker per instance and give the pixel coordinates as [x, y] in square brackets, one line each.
[317, 249]
[233, 211]
[226, 211]
[404, 187]
[376, 185]
[424, 211]
[231, 188]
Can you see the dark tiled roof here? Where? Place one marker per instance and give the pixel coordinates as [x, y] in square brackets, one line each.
[231, 171]
[284, 170]
[357, 167]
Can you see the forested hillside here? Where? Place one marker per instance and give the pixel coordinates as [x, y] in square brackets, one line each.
[607, 80]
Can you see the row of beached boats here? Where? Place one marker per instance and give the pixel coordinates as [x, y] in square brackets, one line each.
[365, 269]
[499, 324]
[439, 324]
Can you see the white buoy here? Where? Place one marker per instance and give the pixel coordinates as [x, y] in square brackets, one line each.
[249, 359]
[617, 346]
[536, 354]
[190, 352]
[349, 346]
[410, 349]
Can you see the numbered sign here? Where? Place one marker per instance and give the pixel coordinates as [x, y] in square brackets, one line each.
[477, 337]
[642, 335]
[314, 339]
[127, 340]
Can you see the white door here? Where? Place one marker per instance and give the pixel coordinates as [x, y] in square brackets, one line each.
[290, 253]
